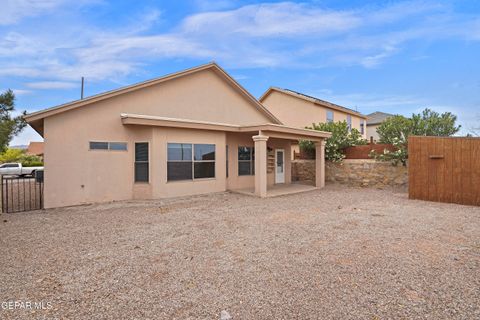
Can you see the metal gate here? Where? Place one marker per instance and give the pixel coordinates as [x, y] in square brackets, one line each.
[22, 193]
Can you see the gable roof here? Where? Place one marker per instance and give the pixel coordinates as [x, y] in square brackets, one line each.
[315, 100]
[34, 117]
[377, 117]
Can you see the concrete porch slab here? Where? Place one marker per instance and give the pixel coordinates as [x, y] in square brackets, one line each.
[279, 190]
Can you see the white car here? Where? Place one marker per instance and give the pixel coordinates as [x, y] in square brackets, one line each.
[16, 169]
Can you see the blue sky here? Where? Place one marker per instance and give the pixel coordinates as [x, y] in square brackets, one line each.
[391, 56]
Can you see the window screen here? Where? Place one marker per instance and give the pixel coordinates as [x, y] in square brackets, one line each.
[246, 161]
[141, 162]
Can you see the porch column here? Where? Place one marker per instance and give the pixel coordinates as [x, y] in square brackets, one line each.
[260, 165]
[320, 164]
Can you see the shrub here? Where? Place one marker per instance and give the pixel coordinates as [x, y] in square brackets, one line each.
[395, 157]
[341, 138]
[19, 155]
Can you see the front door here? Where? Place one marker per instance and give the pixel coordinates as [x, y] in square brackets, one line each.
[279, 166]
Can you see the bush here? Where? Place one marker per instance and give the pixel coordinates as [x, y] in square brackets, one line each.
[395, 157]
[19, 155]
[341, 138]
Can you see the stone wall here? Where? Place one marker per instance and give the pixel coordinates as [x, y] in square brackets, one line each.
[354, 172]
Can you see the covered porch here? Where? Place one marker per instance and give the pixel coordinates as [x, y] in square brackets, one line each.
[253, 160]
[265, 138]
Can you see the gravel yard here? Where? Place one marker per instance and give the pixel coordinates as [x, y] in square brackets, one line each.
[338, 253]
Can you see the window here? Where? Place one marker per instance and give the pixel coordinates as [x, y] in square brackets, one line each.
[98, 145]
[141, 162]
[179, 161]
[349, 122]
[362, 127]
[204, 161]
[246, 161]
[186, 161]
[10, 165]
[116, 146]
[119, 146]
[329, 116]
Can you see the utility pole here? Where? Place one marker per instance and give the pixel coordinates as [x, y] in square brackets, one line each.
[81, 93]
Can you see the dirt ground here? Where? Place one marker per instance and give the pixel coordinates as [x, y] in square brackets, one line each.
[338, 253]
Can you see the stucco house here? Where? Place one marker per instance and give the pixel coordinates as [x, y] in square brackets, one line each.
[300, 110]
[191, 132]
[373, 121]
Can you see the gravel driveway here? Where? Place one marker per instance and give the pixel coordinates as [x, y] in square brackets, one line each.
[338, 253]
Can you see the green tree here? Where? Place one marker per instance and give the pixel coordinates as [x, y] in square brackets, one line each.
[341, 138]
[427, 123]
[9, 125]
[396, 130]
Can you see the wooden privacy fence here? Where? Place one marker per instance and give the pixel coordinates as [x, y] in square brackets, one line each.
[444, 169]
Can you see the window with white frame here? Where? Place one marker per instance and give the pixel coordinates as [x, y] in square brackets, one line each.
[349, 122]
[329, 116]
[362, 127]
[186, 161]
[246, 161]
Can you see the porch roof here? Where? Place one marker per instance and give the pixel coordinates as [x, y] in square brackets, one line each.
[268, 129]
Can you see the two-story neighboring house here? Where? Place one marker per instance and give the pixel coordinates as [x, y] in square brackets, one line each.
[300, 110]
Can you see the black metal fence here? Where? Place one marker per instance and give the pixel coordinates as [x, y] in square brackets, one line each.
[22, 193]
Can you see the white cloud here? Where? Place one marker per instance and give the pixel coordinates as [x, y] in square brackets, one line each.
[270, 19]
[52, 85]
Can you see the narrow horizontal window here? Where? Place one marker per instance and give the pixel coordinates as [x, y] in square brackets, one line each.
[98, 145]
[119, 146]
[101, 145]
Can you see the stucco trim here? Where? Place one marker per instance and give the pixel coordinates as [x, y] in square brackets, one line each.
[276, 129]
[35, 116]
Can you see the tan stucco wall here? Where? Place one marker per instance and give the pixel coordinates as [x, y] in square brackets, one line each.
[301, 113]
[234, 181]
[75, 175]
[372, 132]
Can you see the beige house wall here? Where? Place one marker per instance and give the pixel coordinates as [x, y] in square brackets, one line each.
[300, 113]
[372, 132]
[75, 175]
